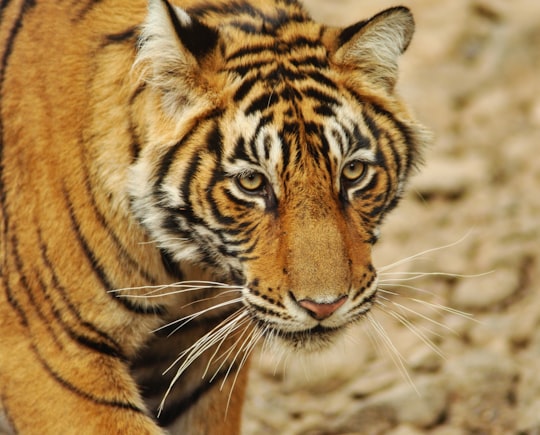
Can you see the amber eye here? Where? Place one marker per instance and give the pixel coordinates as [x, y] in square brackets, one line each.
[251, 182]
[354, 171]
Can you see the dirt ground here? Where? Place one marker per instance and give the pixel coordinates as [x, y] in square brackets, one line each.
[472, 75]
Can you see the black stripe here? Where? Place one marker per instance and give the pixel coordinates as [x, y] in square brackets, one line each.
[178, 407]
[111, 348]
[223, 220]
[171, 266]
[189, 176]
[324, 110]
[243, 69]
[214, 141]
[12, 300]
[261, 103]
[349, 32]
[280, 73]
[98, 269]
[124, 255]
[405, 133]
[74, 389]
[366, 192]
[170, 156]
[310, 61]
[356, 139]
[249, 27]
[244, 88]
[231, 8]
[250, 50]
[320, 78]
[23, 278]
[404, 130]
[240, 152]
[129, 35]
[85, 9]
[320, 96]
[90, 255]
[238, 201]
[135, 146]
[10, 42]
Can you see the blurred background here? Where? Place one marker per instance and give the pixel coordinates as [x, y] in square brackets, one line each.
[463, 320]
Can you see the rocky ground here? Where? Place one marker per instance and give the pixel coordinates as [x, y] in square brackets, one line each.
[472, 75]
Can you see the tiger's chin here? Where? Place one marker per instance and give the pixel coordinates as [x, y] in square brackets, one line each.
[315, 339]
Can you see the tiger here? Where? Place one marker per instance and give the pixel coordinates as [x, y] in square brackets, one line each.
[179, 182]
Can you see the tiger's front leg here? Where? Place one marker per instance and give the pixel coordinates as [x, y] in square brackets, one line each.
[49, 385]
[208, 395]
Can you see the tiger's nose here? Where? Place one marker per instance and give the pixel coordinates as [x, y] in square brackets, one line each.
[321, 310]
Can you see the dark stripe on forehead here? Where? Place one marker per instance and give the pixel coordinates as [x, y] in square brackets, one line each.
[244, 88]
[262, 102]
[321, 79]
[320, 96]
[240, 152]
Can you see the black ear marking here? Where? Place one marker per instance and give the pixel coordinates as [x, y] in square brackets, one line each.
[198, 38]
[348, 32]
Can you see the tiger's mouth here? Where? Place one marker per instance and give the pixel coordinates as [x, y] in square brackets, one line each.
[318, 336]
[315, 337]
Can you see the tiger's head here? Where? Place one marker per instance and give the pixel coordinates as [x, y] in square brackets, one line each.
[275, 147]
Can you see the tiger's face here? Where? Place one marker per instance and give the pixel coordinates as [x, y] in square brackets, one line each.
[286, 156]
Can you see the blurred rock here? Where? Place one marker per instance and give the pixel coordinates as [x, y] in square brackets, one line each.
[482, 385]
[449, 178]
[490, 290]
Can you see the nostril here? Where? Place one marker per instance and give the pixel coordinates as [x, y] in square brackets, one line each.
[321, 310]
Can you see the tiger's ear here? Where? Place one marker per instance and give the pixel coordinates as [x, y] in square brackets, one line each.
[373, 47]
[172, 46]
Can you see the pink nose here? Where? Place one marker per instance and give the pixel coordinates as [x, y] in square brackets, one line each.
[321, 311]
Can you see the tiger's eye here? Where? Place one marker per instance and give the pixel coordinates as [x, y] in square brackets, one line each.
[251, 182]
[354, 171]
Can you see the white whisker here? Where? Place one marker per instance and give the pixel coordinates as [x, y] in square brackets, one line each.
[422, 253]
[161, 241]
[414, 329]
[180, 287]
[423, 316]
[410, 287]
[247, 349]
[450, 310]
[241, 348]
[418, 275]
[209, 298]
[217, 334]
[394, 353]
[225, 355]
[184, 320]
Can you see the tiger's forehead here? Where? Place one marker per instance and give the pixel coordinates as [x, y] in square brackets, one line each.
[283, 137]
